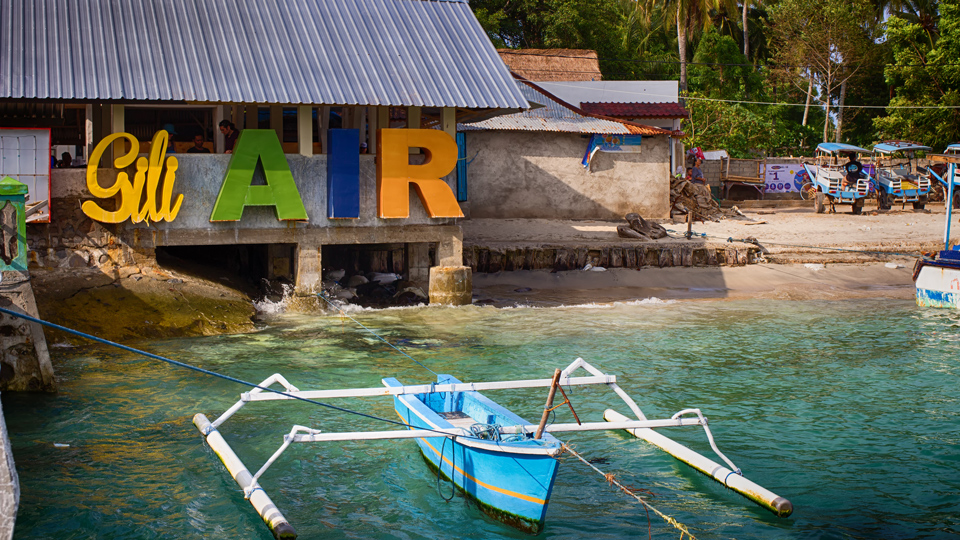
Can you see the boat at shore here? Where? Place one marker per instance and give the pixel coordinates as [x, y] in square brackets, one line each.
[493, 456]
[937, 276]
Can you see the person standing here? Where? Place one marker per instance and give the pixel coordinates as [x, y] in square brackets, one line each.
[198, 147]
[171, 149]
[230, 135]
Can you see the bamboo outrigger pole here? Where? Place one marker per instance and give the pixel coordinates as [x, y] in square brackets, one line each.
[279, 526]
[733, 480]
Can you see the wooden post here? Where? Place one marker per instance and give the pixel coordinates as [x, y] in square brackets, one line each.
[549, 405]
[305, 130]
[252, 120]
[373, 119]
[323, 124]
[218, 142]
[276, 121]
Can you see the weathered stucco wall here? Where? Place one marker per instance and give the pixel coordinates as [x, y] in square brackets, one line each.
[538, 175]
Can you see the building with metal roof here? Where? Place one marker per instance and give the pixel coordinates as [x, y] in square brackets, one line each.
[427, 53]
[556, 161]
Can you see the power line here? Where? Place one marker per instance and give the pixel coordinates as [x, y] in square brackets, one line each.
[815, 103]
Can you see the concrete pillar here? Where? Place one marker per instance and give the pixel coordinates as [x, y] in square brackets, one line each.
[305, 130]
[450, 250]
[309, 270]
[451, 285]
[278, 261]
[24, 358]
[9, 484]
[418, 262]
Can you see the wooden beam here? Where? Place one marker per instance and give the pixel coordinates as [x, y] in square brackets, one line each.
[449, 122]
[323, 122]
[218, 142]
[305, 130]
[276, 121]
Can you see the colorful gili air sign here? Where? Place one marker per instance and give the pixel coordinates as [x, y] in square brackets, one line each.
[611, 143]
[138, 200]
[143, 199]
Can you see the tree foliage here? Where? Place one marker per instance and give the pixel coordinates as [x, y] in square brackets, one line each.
[925, 73]
[836, 49]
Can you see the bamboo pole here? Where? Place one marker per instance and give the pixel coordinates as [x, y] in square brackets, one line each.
[756, 493]
[279, 526]
[549, 406]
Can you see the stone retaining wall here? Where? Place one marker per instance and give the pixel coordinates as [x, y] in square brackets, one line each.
[505, 259]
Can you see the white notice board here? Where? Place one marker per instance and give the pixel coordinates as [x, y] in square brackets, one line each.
[25, 157]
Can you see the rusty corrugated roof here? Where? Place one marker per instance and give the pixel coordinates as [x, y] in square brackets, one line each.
[637, 110]
[556, 115]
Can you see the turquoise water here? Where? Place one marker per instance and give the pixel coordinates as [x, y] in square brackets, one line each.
[847, 408]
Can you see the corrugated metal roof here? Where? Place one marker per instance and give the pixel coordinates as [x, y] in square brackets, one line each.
[429, 53]
[557, 115]
[553, 116]
[637, 110]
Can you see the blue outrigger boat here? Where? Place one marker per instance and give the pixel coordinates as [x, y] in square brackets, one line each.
[937, 277]
[826, 179]
[899, 183]
[493, 456]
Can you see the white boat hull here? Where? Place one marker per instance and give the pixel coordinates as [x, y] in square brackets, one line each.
[938, 286]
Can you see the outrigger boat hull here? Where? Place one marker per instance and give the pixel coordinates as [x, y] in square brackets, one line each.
[938, 281]
[510, 478]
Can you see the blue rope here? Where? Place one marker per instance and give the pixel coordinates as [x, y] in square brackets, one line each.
[344, 314]
[195, 368]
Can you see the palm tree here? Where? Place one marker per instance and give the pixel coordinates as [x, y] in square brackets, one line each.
[689, 16]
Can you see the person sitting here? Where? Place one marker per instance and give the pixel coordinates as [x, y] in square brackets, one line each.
[852, 169]
[198, 147]
[171, 148]
[65, 161]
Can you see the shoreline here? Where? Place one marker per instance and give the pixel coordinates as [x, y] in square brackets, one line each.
[811, 281]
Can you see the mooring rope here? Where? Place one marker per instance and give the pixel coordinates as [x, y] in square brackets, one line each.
[343, 313]
[201, 370]
[611, 479]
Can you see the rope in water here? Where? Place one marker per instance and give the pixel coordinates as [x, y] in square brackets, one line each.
[197, 369]
[751, 240]
[612, 480]
[343, 313]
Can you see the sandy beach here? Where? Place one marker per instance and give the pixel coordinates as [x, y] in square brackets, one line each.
[809, 255]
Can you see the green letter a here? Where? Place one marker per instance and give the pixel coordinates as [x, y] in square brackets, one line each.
[281, 192]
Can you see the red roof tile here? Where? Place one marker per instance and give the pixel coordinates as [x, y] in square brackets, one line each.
[637, 110]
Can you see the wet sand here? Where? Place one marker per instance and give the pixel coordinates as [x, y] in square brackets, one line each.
[810, 256]
[774, 281]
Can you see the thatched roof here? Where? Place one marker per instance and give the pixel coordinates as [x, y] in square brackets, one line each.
[553, 64]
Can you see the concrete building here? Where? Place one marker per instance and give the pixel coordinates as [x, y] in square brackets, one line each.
[306, 71]
[557, 162]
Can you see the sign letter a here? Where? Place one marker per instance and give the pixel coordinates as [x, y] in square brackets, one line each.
[395, 174]
[258, 145]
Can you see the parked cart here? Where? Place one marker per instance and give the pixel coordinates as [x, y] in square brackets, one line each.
[827, 175]
[899, 182]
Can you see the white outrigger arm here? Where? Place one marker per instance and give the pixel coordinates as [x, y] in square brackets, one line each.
[642, 428]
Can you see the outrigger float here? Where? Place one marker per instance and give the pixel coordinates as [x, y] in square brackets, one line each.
[937, 277]
[492, 455]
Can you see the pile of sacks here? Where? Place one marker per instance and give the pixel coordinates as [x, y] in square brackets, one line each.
[372, 289]
[640, 229]
[687, 197]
